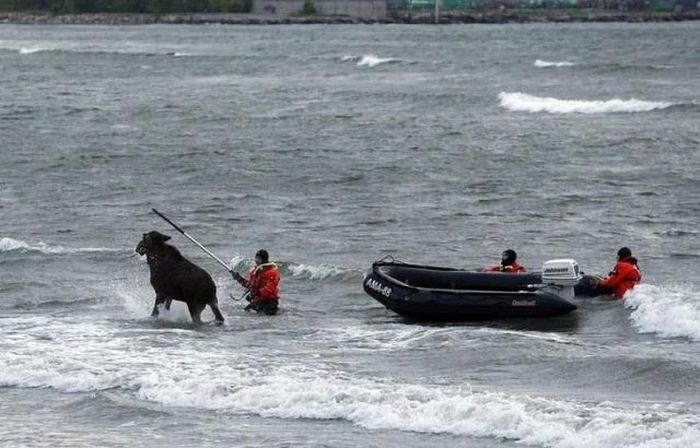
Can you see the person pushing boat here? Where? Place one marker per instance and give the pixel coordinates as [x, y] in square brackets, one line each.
[624, 276]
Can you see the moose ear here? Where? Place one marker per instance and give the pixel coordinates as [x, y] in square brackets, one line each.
[157, 237]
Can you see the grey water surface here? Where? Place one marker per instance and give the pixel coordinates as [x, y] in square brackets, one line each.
[333, 146]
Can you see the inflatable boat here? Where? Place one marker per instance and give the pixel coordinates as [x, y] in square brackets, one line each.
[436, 293]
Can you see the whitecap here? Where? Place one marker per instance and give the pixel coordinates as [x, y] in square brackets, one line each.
[30, 50]
[522, 102]
[137, 298]
[319, 272]
[11, 245]
[543, 64]
[529, 420]
[192, 373]
[372, 61]
[668, 311]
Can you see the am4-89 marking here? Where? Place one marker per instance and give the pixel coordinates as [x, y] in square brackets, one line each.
[377, 286]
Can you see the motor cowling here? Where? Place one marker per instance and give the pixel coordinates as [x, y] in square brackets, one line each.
[563, 274]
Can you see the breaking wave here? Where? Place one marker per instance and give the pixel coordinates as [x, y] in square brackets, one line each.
[369, 60]
[30, 50]
[69, 47]
[13, 245]
[530, 420]
[522, 102]
[544, 64]
[668, 311]
[322, 271]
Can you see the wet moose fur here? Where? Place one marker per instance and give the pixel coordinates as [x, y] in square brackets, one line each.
[175, 278]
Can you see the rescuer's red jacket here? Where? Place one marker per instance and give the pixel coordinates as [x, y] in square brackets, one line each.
[263, 282]
[623, 277]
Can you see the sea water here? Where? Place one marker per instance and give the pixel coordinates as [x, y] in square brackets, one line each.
[331, 147]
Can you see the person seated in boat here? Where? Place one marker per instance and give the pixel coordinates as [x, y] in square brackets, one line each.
[507, 264]
[262, 284]
[623, 277]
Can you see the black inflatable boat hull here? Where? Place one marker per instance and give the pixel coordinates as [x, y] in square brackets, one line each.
[433, 293]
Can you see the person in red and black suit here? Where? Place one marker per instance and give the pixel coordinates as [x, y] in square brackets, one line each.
[623, 277]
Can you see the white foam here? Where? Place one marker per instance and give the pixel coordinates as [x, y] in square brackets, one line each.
[240, 263]
[372, 61]
[30, 50]
[669, 311]
[137, 299]
[544, 64]
[407, 337]
[186, 369]
[528, 420]
[522, 102]
[320, 272]
[350, 58]
[390, 338]
[11, 244]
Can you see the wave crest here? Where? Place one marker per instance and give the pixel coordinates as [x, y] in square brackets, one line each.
[522, 102]
[320, 391]
[13, 245]
[669, 311]
[321, 272]
[544, 64]
[528, 420]
[30, 50]
[369, 60]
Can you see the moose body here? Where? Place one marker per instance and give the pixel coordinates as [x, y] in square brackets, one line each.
[173, 277]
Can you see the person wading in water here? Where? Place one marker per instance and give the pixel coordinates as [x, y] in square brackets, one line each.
[623, 277]
[262, 284]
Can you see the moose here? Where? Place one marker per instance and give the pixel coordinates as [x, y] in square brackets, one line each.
[173, 277]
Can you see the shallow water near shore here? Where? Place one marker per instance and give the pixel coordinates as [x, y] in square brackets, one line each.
[333, 146]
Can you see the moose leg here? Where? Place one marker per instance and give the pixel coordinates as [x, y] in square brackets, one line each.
[217, 313]
[167, 304]
[159, 300]
[195, 311]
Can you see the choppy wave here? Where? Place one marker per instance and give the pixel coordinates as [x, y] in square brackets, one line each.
[137, 300]
[530, 420]
[400, 337]
[72, 48]
[544, 64]
[369, 60]
[182, 368]
[669, 311]
[12, 245]
[617, 66]
[522, 102]
[300, 270]
[322, 272]
[30, 50]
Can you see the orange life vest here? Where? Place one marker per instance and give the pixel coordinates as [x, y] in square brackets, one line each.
[510, 268]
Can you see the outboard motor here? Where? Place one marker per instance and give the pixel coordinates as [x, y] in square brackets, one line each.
[563, 274]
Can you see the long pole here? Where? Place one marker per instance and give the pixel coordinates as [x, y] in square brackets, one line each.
[221, 262]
